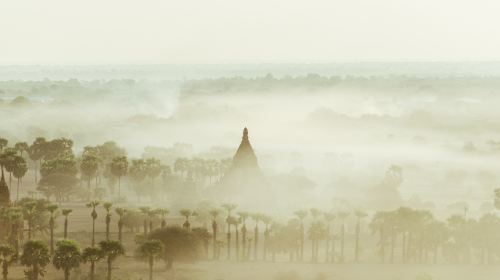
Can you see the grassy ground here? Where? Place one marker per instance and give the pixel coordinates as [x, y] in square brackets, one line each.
[128, 269]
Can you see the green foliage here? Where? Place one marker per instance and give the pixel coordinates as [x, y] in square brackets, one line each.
[149, 248]
[111, 248]
[179, 244]
[92, 254]
[36, 257]
[67, 255]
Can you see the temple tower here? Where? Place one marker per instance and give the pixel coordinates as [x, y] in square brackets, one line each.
[4, 192]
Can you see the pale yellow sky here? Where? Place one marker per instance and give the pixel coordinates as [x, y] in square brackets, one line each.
[224, 31]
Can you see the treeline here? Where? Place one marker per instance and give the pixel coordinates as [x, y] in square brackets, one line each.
[61, 174]
[315, 81]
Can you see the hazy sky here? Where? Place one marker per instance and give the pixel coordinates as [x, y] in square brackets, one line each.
[220, 31]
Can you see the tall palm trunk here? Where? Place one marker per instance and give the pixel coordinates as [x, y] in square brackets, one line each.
[92, 270]
[302, 241]
[256, 242]
[51, 224]
[66, 274]
[120, 229]
[228, 241]
[17, 195]
[244, 241]
[93, 232]
[327, 248]
[214, 238]
[109, 268]
[237, 242]
[108, 221]
[66, 227]
[151, 262]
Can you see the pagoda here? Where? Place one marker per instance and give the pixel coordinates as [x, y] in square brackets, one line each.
[244, 177]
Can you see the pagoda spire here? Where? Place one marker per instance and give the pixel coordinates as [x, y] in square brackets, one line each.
[4, 191]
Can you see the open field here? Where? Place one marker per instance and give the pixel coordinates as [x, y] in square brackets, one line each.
[126, 268]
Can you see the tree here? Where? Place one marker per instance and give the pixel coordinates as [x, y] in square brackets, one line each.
[186, 213]
[301, 215]
[93, 215]
[66, 213]
[88, 168]
[8, 160]
[20, 169]
[148, 251]
[36, 257]
[67, 256]
[153, 170]
[58, 176]
[214, 213]
[112, 249]
[21, 147]
[163, 212]
[359, 215]
[120, 212]
[119, 168]
[29, 213]
[92, 255]
[36, 152]
[229, 208]
[52, 210]
[3, 143]
[179, 244]
[137, 173]
[107, 206]
[8, 256]
[243, 218]
[342, 216]
[329, 217]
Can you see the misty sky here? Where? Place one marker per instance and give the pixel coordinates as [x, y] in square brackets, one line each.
[221, 31]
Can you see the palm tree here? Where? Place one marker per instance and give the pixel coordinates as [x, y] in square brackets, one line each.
[93, 215]
[229, 208]
[66, 213]
[52, 208]
[214, 213]
[14, 218]
[36, 152]
[256, 217]
[21, 147]
[92, 255]
[359, 215]
[314, 235]
[107, 206]
[342, 216]
[67, 257]
[329, 217]
[36, 257]
[243, 217]
[145, 212]
[301, 215]
[120, 212]
[163, 214]
[119, 168]
[8, 256]
[149, 250]
[267, 221]
[88, 168]
[111, 249]
[186, 213]
[20, 169]
[29, 213]
[3, 143]
[153, 170]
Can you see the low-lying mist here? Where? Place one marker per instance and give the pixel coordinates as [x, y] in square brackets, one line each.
[323, 141]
